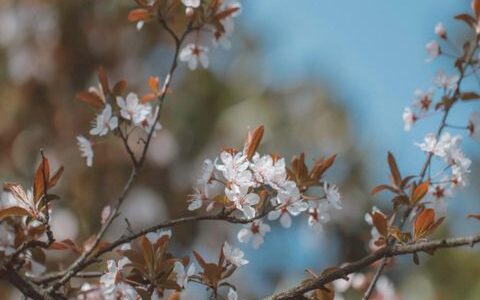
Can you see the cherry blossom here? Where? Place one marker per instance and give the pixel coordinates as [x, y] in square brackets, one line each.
[206, 173]
[232, 294]
[409, 118]
[234, 168]
[255, 232]
[7, 239]
[150, 121]
[440, 30]
[194, 54]
[153, 237]
[318, 215]
[111, 285]
[268, 171]
[445, 81]
[291, 203]
[85, 149]
[433, 50]
[332, 194]
[234, 255]
[104, 122]
[244, 201]
[200, 195]
[423, 99]
[182, 276]
[131, 109]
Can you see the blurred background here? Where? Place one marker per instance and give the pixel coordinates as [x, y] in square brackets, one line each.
[324, 77]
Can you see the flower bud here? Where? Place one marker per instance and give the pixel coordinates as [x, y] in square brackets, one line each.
[189, 11]
[440, 31]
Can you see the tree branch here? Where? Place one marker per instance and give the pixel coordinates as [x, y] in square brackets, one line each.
[389, 251]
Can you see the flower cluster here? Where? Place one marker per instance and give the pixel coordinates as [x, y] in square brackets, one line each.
[256, 185]
[118, 114]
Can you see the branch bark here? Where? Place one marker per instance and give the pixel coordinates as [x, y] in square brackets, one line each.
[390, 251]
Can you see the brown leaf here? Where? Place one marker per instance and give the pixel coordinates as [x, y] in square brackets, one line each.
[473, 216]
[420, 191]
[120, 88]
[396, 176]
[380, 222]
[53, 181]
[41, 176]
[199, 259]
[476, 7]
[467, 19]
[253, 141]
[102, 77]
[382, 187]
[425, 223]
[321, 166]
[153, 82]
[91, 99]
[13, 211]
[139, 14]
[469, 96]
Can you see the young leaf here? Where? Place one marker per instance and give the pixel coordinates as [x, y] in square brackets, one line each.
[13, 211]
[420, 191]
[253, 141]
[380, 222]
[396, 176]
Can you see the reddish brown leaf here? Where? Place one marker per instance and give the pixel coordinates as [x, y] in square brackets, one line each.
[120, 88]
[382, 187]
[91, 99]
[420, 191]
[13, 211]
[396, 176]
[321, 166]
[469, 96]
[41, 176]
[199, 259]
[467, 19]
[476, 7]
[153, 82]
[53, 181]
[102, 77]
[253, 141]
[139, 14]
[380, 222]
[473, 216]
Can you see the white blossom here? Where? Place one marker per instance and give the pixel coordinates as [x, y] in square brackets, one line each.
[194, 54]
[332, 194]
[234, 255]
[85, 149]
[254, 231]
[150, 121]
[409, 118]
[111, 285]
[131, 109]
[440, 30]
[234, 168]
[433, 50]
[318, 215]
[232, 294]
[446, 82]
[244, 201]
[291, 203]
[181, 275]
[267, 171]
[153, 237]
[206, 173]
[191, 3]
[7, 239]
[423, 99]
[104, 122]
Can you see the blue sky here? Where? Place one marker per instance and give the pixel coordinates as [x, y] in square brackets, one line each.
[370, 53]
